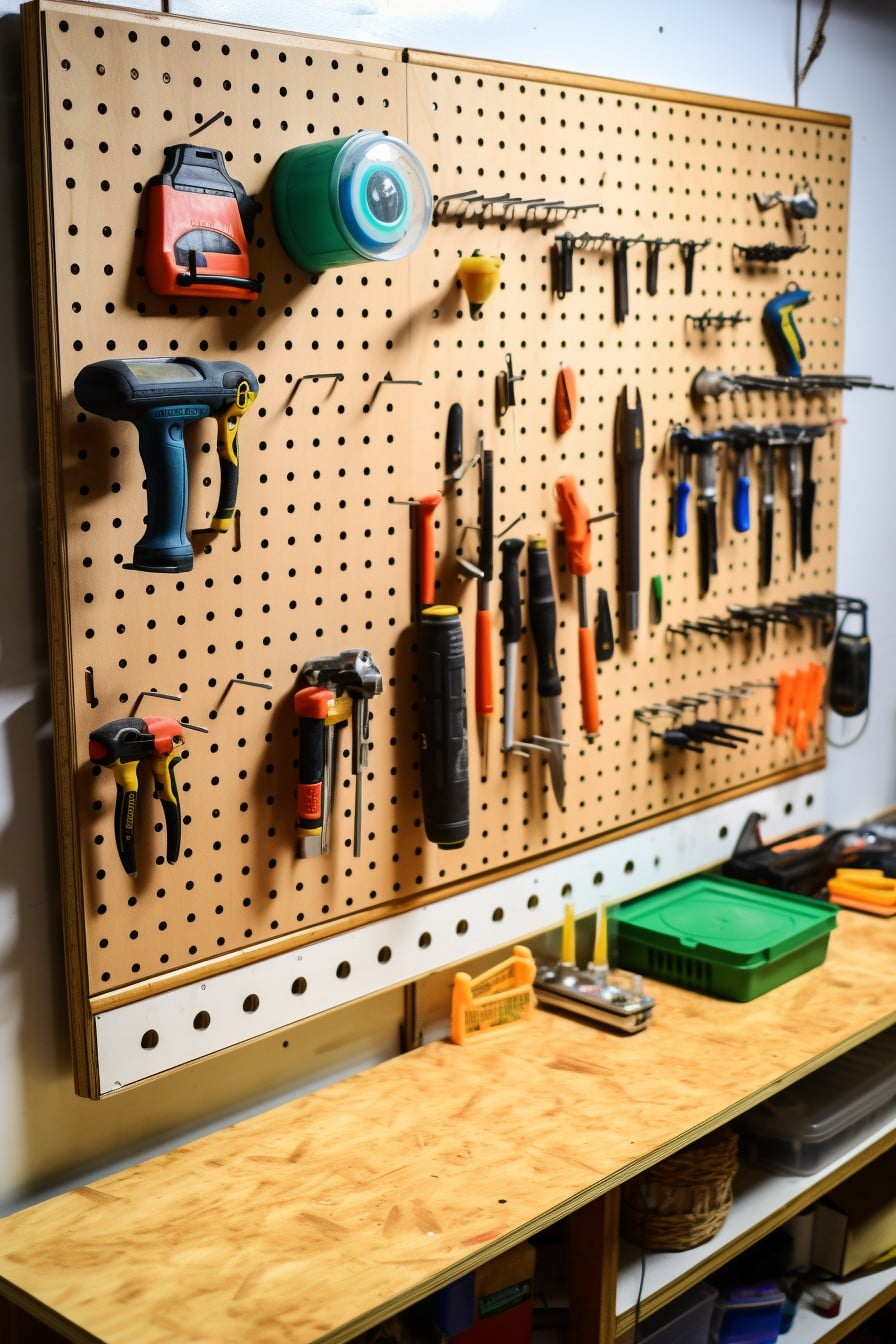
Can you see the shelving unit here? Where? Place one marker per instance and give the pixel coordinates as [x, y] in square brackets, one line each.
[763, 1200]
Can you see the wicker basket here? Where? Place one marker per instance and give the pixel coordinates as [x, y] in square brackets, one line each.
[683, 1200]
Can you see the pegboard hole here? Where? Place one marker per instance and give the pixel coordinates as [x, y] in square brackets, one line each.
[424, 940]
[598, 879]
[343, 970]
[384, 955]
[497, 914]
[150, 1039]
[202, 1021]
[532, 903]
[461, 928]
[251, 1003]
[299, 985]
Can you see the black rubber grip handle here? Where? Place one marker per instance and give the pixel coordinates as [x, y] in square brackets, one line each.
[511, 605]
[311, 772]
[454, 439]
[444, 751]
[543, 617]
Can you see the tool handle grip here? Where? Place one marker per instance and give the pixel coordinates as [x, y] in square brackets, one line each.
[604, 642]
[454, 438]
[682, 494]
[809, 490]
[309, 796]
[620, 279]
[164, 545]
[783, 701]
[125, 773]
[630, 526]
[742, 504]
[564, 281]
[588, 679]
[229, 459]
[166, 788]
[511, 606]
[444, 750]
[426, 506]
[485, 688]
[653, 268]
[543, 617]
[708, 542]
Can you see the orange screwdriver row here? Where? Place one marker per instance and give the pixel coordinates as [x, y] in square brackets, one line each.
[798, 698]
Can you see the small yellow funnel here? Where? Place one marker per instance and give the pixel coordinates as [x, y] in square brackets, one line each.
[479, 278]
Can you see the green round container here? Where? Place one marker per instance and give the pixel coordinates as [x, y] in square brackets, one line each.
[358, 198]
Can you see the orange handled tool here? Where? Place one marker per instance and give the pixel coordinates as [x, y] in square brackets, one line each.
[576, 529]
[426, 506]
[783, 701]
[485, 690]
[817, 677]
[799, 718]
[312, 705]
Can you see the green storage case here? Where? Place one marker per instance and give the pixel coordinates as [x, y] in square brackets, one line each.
[720, 937]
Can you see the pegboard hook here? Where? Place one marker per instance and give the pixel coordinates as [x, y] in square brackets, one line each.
[244, 681]
[313, 378]
[156, 695]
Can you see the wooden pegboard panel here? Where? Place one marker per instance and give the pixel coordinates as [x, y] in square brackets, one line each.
[321, 558]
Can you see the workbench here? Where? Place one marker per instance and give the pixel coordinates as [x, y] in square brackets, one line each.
[319, 1218]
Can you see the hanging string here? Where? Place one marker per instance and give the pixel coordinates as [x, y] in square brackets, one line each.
[815, 48]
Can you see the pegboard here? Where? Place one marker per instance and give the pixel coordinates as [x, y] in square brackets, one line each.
[321, 556]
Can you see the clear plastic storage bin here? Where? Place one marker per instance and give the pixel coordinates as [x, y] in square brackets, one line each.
[684, 1321]
[816, 1120]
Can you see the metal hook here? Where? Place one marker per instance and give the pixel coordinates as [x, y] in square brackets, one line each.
[243, 681]
[312, 377]
[156, 695]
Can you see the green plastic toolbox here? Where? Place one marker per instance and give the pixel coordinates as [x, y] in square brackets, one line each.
[720, 937]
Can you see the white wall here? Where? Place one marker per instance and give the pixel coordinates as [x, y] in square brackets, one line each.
[48, 1137]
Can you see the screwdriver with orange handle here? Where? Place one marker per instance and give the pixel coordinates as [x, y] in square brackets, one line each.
[425, 507]
[799, 718]
[485, 689]
[783, 701]
[576, 530]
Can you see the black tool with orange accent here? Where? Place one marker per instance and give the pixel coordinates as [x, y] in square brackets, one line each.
[199, 223]
[121, 745]
[312, 704]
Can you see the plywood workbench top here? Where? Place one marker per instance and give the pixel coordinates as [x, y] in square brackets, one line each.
[313, 1220]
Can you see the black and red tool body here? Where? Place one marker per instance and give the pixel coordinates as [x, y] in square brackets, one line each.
[199, 223]
[122, 744]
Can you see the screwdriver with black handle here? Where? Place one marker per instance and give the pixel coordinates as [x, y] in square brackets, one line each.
[543, 627]
[629, 461]
[444, 749]
[511, 610]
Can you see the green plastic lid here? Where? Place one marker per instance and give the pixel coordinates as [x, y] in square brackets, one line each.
[731, 922]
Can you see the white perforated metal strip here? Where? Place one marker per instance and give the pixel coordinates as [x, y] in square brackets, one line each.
[142, 1039]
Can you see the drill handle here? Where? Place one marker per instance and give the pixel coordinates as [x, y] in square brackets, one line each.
[164, 547]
